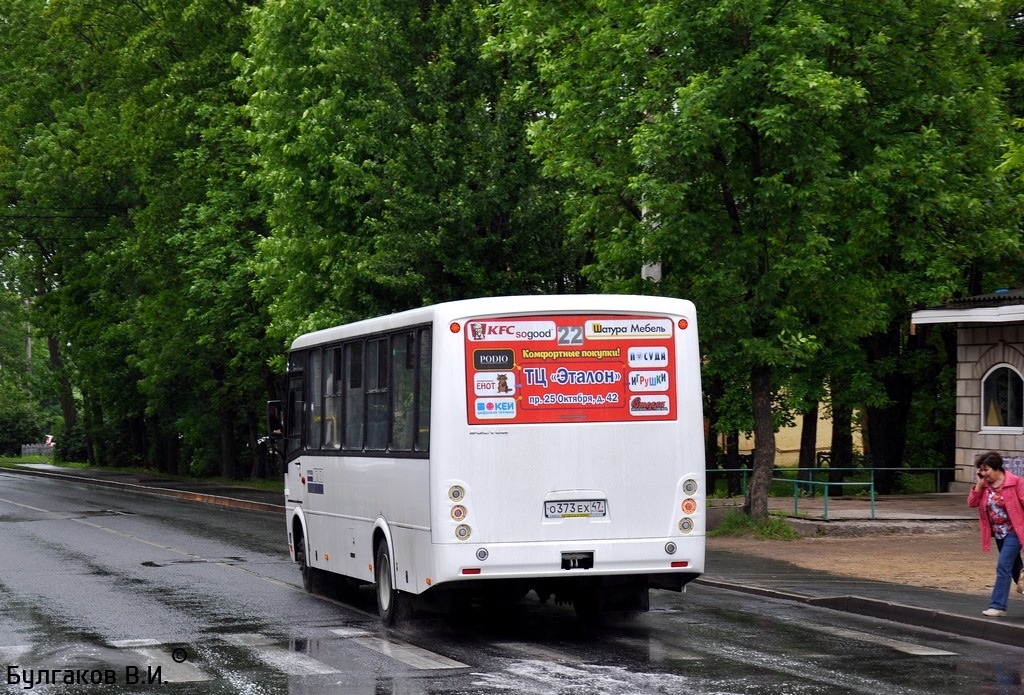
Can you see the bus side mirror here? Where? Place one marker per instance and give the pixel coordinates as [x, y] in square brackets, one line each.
[275, 421]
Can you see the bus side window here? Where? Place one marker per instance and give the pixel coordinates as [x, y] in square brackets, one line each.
[333, 400]
[377, 394]
[294, 415]
[354, 406]
[403, 391]
[423, 392]
[315, 409]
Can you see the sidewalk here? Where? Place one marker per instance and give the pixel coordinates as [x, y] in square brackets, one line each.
[924, 607]
[897, 514]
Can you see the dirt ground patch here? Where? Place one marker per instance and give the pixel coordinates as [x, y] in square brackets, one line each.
[951, 561]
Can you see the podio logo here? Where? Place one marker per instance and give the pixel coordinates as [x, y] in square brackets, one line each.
[493, 360]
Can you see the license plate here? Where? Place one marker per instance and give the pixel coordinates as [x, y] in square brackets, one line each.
[567, 509]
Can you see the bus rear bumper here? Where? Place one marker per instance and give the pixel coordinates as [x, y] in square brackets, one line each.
[559, 560]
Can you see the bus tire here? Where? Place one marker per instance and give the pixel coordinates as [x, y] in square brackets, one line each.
[388, 598]
[308, 573]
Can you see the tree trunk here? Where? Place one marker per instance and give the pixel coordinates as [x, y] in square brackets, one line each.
[171, 451]
[92, 421]
[886, 431]
[67, 399]
[164, 451]
[138, 433]
[808, 446]
[227, 445]
[260, 468]
[764, 443]
[711, 459]
[841, 446]
[732, 460]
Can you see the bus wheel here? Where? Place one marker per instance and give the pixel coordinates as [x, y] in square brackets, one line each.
[384, 587]
[307, 571]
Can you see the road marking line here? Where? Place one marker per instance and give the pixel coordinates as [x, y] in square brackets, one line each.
[905, 647]
[284, 660]
[133, 643]
[351, 632]
[408, 653]
[13, 653]
[156, 654]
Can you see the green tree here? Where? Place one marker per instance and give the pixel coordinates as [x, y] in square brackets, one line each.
[203, 352]
[393, 158]
[132, 153]
[804, 172]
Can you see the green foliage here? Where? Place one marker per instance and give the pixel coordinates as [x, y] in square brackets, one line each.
[188, 185]
[395, 160]
[136, 152]
[921, 483]
[19, 424]
[806, 174]
[739, 524]
[70, 447]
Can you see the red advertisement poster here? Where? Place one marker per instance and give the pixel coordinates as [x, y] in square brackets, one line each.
[576, 368]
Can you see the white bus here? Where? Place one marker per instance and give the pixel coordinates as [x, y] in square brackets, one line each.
[493, 446]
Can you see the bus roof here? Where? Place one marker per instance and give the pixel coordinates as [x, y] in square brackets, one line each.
[502, 306]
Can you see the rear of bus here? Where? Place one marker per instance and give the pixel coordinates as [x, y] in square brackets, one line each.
[567, 450]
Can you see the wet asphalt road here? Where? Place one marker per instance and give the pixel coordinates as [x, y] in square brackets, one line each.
[104, 591]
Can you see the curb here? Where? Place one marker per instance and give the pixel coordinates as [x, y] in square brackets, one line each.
[203, 497]
[962, 625]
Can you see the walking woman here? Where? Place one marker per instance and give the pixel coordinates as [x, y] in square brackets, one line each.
[999, 497]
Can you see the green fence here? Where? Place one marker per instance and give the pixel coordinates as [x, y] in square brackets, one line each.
[825, 486]
[812, 478]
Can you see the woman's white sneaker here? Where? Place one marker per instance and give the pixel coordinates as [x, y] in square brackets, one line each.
[993, 613]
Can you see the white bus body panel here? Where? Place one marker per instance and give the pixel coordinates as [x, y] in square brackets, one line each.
[509, 471]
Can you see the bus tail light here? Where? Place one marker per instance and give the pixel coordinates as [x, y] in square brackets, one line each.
[686, 525]
[471, 570]
[462, 532]
[680, 563]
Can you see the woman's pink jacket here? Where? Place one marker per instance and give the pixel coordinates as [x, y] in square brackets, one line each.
[1013, 498]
